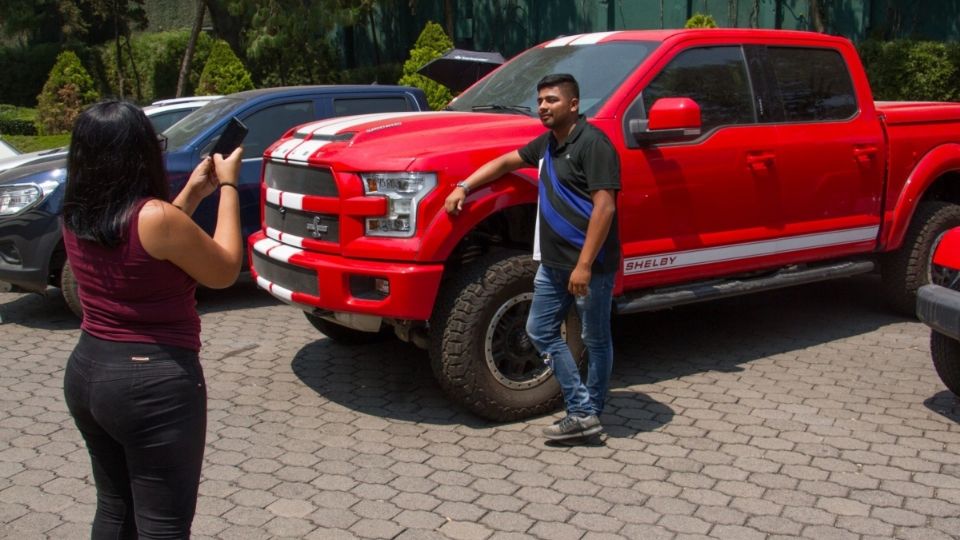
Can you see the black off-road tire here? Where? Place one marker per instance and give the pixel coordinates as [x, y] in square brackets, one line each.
[68, 287]
[467, 305]
[907, 269]
[946, 359]
[346, 336]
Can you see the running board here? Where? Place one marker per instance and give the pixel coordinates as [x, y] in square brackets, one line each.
[652, 300]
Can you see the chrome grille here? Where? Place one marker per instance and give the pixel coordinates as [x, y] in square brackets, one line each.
[945, 277]
[303, 224]
[286, 275]
[305, 180]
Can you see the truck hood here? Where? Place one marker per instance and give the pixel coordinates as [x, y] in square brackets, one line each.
[395, 141]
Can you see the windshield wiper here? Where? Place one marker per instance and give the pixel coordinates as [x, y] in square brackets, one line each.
[515, 109]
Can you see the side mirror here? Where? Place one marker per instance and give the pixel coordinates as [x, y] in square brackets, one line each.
[669, 119]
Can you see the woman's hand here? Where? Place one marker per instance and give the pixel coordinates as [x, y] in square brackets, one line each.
[227, 169]
[201, 182]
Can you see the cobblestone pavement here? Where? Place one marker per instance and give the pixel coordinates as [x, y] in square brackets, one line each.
[812, 412]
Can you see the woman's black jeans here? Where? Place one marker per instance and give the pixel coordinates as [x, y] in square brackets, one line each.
[142, 410]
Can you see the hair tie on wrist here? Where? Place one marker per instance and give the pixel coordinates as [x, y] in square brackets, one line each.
[234, 186]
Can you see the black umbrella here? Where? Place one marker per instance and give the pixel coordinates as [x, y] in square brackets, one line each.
[457, 69]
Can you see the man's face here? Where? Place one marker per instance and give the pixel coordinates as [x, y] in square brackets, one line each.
[556, 107]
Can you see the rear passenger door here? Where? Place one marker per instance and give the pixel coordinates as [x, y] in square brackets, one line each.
[829, 157]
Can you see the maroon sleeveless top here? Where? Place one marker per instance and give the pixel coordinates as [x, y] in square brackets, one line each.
[129, 296]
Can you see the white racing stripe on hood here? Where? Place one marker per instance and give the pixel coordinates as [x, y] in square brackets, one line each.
[280, 153]
[334, 126]
[304, 151]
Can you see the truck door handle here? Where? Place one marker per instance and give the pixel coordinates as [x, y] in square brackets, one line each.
[864, 154]
[760, 161]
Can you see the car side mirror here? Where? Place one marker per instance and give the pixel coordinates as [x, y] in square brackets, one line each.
[669, 119]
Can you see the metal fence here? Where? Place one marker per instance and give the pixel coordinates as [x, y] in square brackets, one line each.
[510, 26]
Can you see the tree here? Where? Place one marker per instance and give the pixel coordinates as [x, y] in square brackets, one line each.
[432, 43]
[286, 42]
[191, 47]
[223, 73]
[68, 89]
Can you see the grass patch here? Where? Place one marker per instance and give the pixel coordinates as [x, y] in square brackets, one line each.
[32, 143]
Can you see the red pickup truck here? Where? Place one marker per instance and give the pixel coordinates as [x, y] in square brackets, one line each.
[751, 159]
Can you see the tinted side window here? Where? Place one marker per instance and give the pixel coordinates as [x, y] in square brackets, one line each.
[715, 77]
[267, 125]
[814, 84]
[348, 106]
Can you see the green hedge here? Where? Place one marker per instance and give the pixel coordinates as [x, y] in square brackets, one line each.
[17, 120]
[912, 70]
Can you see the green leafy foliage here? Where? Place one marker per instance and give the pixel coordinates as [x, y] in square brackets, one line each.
[912, 70]
[432, 43]
[223, 72]
[31, 64]
[701, 20]
[286, 42]
[68, 89]
[157, 57]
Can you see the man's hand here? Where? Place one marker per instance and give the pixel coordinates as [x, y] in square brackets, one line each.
[579, 281]
[454, 202]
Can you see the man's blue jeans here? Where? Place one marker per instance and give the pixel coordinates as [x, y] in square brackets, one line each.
[551, 302]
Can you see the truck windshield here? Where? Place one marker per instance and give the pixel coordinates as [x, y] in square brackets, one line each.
[199, 121]
[599, 69]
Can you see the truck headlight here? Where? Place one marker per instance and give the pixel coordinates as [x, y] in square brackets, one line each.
[403, 191]
[18, 197]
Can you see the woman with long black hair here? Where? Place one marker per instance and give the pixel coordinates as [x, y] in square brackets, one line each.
[133, 383]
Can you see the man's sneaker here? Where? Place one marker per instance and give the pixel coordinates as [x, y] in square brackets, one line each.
[572, 427]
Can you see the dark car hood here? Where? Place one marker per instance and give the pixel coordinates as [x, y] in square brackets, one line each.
[55, 165]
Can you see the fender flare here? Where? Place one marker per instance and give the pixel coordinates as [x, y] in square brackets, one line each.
[937, 162]
[445, 231]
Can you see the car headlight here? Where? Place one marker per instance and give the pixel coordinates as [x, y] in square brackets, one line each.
[18, 197]
[15, 198]
[403, 191]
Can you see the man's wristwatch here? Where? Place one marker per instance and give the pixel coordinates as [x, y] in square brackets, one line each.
[463, 185]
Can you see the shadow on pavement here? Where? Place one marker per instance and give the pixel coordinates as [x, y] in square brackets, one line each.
[394, 379]
[946, 404]
[42, 311]
[48, 311]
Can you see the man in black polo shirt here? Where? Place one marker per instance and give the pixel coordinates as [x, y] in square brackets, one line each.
[576, 243]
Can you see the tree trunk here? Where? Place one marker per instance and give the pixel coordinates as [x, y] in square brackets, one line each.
[373, 36]
[226, 26]
[449, 11]
[133, 65]
[816, 15]
[116, 38]
[191, 46]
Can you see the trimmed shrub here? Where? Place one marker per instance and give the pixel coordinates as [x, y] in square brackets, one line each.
[17, 120]
[223, 72]
[432, 43]
[701, 20]
[68, 89]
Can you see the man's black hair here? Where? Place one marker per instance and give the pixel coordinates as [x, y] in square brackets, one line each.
[560, 79]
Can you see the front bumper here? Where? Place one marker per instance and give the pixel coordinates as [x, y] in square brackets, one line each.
[333, 283]
[939, 308]
[27, 244]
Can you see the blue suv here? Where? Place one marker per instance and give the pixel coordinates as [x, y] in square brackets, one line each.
[31, 196]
